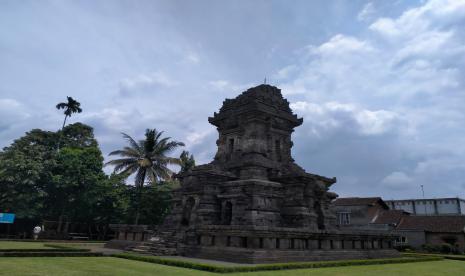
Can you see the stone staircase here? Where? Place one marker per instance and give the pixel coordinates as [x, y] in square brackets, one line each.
[163, 243]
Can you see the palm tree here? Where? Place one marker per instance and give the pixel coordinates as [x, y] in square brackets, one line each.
[72, 106]
[187, 161]
[146, 159]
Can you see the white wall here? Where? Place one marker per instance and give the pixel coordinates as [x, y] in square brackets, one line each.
[447, 206]
[425, 207]
[462, 207]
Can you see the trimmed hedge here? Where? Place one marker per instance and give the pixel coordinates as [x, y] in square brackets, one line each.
[445, 256]
[278, 266]
[50, 254]
[455, 257]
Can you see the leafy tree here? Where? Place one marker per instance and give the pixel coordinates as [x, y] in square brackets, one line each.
[24, 171]
[187, 161]
[154, 203]
[37, 182]
[70, 107]
[78, 135]
[147, 159]
[113, 200]
[76, 176]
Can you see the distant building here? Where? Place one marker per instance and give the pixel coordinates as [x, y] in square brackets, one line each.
[372, 213]
[416, 231]
[431, 206]
[365, 213]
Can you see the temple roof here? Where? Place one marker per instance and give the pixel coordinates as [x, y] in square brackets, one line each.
[263, 93]
[265, 98]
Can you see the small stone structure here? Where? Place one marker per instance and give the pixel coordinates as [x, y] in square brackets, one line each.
[253, 203]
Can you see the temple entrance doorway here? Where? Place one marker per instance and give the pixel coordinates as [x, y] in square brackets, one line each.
[227, 213]
[320, 218]
[186, 214]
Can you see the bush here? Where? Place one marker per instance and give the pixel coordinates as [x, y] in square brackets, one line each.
[404, 248]
[434, 248]
[445, 248]
[278, 266]
[428, 248]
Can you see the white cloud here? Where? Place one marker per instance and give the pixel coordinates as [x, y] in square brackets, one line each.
[412, 57]
[11, 112]
[144, 80]
[197, 137]
[231, 89]
[9, 104]
[381, 95]
[285, 72]
[434, 14]
[341, 44]
[376, 122]
[401, 83]
[437, 165]
[219, 84]
[193, 58]
[397, 180]
[113, 119]
[367, 12]
[333, 115]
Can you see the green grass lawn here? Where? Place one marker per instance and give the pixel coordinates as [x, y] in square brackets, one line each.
[116, 266]
[43, 245]
[21, 245]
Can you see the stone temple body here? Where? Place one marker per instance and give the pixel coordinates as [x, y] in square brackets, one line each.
[253, 203]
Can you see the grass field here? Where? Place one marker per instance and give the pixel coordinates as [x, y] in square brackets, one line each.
[43, 245]
[21, 245]
[115, 266]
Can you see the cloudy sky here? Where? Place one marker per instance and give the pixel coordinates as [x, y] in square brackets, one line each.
[380, 84]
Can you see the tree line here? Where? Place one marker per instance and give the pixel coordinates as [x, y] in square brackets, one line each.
[59, 176]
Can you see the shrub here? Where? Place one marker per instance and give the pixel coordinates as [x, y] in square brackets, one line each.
[278, 266]
[445, 248]
[434, 248]
[404, 248]
[428, 247]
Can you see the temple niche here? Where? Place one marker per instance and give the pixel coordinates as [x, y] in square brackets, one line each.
[253, 203]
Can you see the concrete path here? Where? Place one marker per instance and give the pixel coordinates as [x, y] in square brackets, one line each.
[105, 251]
[204, 261]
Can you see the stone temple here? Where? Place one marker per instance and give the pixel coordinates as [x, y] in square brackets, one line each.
[253, 203]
